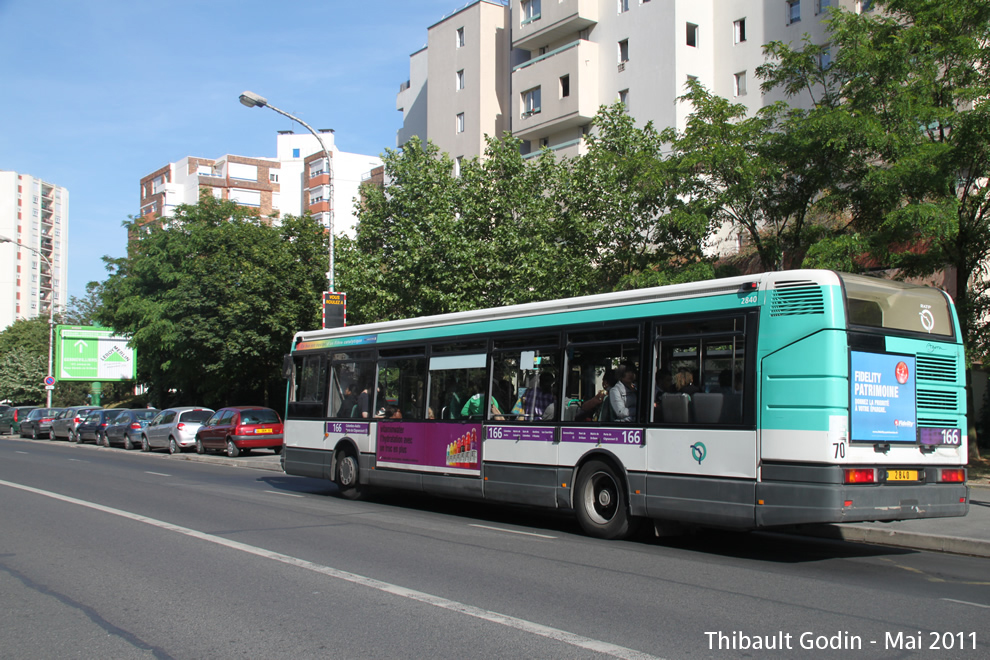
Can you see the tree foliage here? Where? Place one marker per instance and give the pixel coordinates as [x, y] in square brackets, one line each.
[911, 83]
[212, 299]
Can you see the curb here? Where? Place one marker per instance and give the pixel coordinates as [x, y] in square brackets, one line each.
[892, 537]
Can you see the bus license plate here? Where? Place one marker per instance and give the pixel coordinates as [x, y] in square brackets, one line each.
[262, 430]
[902, 475]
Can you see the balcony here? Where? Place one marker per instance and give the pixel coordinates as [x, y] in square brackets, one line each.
[578, 62]
[556, 22]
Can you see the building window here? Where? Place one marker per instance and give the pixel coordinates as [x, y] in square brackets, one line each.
[273, 177]
[544, 142]
[739, 31]
[565, 86]
[863, 6]
[739, 84]
[825, 58]
[623, 51]
[457, 165]
[531, 102]
[460, 37]
[460, 79]
[692, 35]
[530, 11]
[295, 153]
[624, 98]
[822, 6]
[460, 122]
[793, 11]
[623, 6]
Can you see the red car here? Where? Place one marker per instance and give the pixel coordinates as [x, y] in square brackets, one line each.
[239, 429]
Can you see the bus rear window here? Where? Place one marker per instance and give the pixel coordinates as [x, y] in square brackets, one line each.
[890, 305]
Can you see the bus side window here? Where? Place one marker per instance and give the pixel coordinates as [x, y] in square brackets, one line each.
[352, 385]
[699, 372]
[309, 387]
[595, 361]
[402, 387]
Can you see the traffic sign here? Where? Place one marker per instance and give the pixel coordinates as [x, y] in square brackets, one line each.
[92, 354]
[50, 381]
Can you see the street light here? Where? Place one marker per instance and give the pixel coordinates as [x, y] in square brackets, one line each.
[51, 306]
[252, 100]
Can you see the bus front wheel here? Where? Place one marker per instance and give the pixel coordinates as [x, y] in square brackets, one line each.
[347, 475]
[600, 502]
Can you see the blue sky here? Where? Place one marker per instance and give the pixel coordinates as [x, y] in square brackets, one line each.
[98, 93]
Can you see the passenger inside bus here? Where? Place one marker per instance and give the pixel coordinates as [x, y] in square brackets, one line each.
[622, 396]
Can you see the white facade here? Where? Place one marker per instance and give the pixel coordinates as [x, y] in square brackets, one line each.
[279, 185]
[33, 213]
[567, 58]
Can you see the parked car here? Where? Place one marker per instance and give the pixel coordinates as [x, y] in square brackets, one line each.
[66, 422]
[11, 418]
[174, 429]
[240, 429]
[93, 427]
[125, 429]
[38, 423]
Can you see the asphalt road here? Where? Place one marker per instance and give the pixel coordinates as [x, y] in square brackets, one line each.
[106, 553]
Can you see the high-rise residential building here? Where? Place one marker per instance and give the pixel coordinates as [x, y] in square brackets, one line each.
[543, 68]
[298, 179]
[458, 87]
[33, 213]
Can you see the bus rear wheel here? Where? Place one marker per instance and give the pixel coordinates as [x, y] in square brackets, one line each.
[347, 475]
[600, 502]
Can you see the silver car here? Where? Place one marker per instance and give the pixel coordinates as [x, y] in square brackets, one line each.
[174, 429]
[65, 424]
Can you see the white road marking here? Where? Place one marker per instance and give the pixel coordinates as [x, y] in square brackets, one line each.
[523, 625]
[275, 492]
[963, 602]
[158, 474]
[513, 531]
[20, 452]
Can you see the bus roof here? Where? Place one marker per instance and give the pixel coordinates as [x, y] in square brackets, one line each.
[689, 290]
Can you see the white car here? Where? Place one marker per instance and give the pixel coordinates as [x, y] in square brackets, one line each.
[174, 429]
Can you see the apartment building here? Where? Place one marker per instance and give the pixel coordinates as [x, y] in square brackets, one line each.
[566, 58]
[297, 180]
[33, 214]
[458, 87]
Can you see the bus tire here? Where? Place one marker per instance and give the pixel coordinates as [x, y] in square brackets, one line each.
[347, 475]
[600, 502]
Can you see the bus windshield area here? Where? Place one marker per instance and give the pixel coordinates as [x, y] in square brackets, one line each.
[890, 305]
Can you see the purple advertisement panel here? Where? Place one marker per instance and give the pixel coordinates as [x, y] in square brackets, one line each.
[430, 446]
[349, 428]
[600, 436]
[533, 433]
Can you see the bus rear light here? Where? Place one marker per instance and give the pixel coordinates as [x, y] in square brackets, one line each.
[956, 476]
[860, 476]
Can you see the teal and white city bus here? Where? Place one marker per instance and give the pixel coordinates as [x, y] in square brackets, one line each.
[774, 399]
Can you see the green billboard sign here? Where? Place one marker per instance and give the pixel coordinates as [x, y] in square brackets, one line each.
[92, 354]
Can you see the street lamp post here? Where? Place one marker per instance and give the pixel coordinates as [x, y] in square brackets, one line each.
[252, 100]
[51, 307]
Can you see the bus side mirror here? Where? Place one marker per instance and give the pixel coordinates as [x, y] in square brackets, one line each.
[288, 366]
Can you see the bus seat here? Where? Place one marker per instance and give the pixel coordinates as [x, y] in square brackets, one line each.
[707, 407]
[675, 408]
[570, 412]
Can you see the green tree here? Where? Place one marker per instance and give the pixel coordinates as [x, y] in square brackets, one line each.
[212, 299]
[24, 364]
[630, 195]
[914, 78]
[430, 242]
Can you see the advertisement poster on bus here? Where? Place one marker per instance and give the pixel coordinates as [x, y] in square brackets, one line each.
[882, 398]
[430, 447]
